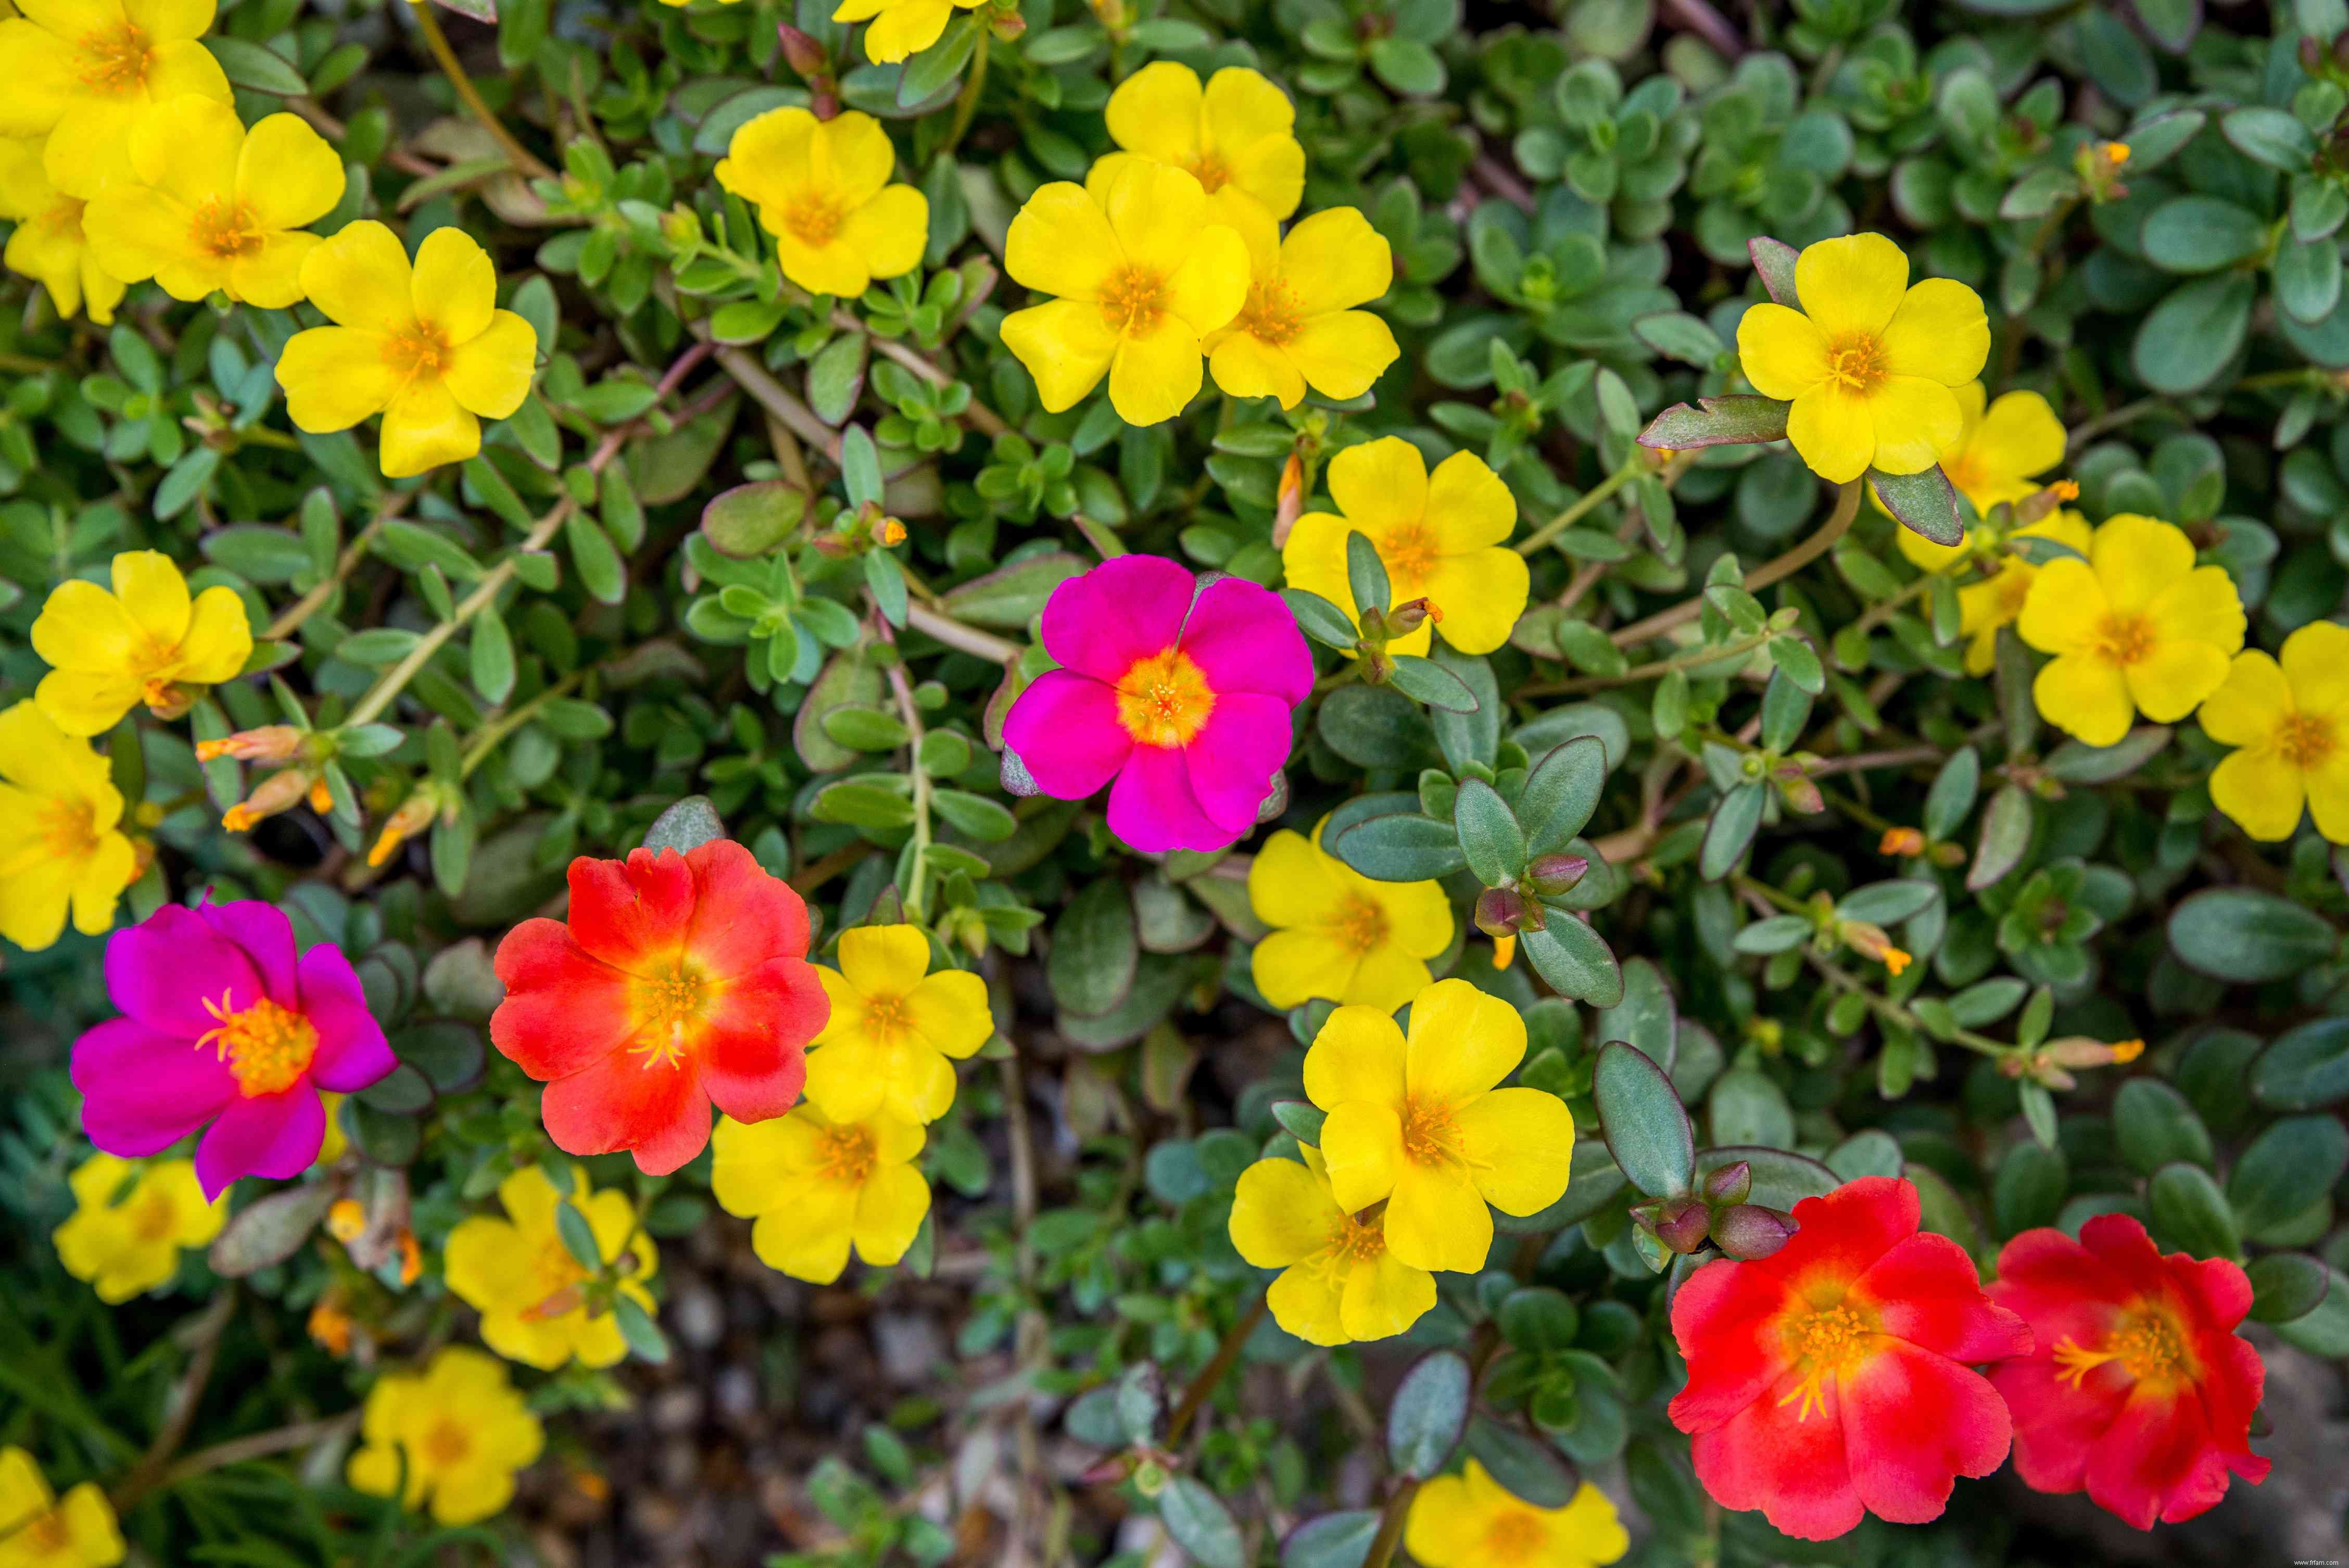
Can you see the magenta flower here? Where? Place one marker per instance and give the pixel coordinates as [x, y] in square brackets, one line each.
[225, 1026]
[1181, 694]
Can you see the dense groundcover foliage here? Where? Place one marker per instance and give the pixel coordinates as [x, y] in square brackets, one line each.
[1328, 783]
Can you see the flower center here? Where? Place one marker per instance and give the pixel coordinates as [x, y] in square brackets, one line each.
[1164, 699]
[420, 349]
[48, 1535]
[268, 1047]
[1431, 1134]
[1857, 362]
[446, 1445]
[887, 1018]
[1964, 471]
[1515, 1535]
[1826, 1341]
[225, 229]
[555, 1275]
[1133, 300]
[63, 218]
[2306, 740]
[115, 60]
[813, 218]
[152, 1217]
[2146, 1346]
[1356, 1243]
[1211, 172]
[1361, 925]
[667, 1004]
[1271, 315]
[69, 829]
[2013, 589]
[2125, 639]
[845, 1154]
[1409, 553]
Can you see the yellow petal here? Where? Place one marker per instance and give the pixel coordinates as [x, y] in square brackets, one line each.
[424, 427]
[2260, 790]
[1361, 1153]
[1247, 366]
[2171, 680]
[2067, 606]
[1921, 552]
[172, 19]
[1463, 1042]
[809, 1238]
[1271, 174]
[1154, 376]
[1291, 967]
[455, 287]
[849, 158]
[1379, 484]
[2251, 704]
[1386, 977]
[1834, 431]
[921, 1083]
[2203, 608]
[1482, 594]
[1314, 559]
[2084, 694]
[187, 149]
[2137, 557]
[1519, 1143]
[1591, 1527]
[1360, 1054]
[1247, 123]
[1444, 1528]
[1940, 334]
[890, 230]
[1062, 244]
[1157, 214]
[1419, 915]
[489, 374]
[1307, 1301]
[1341, 354]
[884, 960]
[98, 882]
[1155, 112]
[2328, 796]
[1280, 1213]
[767, 160]
[360, 279]
[287, 174]
[1916, 422]
[1782, 351]
[1852, 286]
[2019, 436]
[1468, 506]
[2316, 665]
[84, 627]
[153, 594]
[1436, 1220]
[1335, 261]
[906, 27]
[88, 702]
[889, 1213]
[1383, 1296]
[848, 1078]
[271, 278]
[949, 1011]
[335, 377]
[90, 148]
[219, 638]
[45, 73]
[1292, 882]
[834, 267]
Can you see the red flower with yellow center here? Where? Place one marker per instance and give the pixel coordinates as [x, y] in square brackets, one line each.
[2140, 1392]
[677, 981]
[1831, 1379]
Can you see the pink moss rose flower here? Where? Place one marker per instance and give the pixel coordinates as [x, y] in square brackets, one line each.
[224, 1025]
[1181, 694]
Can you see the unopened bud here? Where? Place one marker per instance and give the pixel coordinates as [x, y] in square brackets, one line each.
[411, 1257]
[1008, 24]
[1410, 615]
[888, 533]
[2043, 502]
[270, 743]
[1549, 875]
[330, 1325]
[801, 51]
[2311, 56]
[1500, 911]
[345, 1220]
[278, 792]
[415, 815]
[1870, 940]
[1730, 1184]
[322, 798]
[1290, 500]
[1682, 1228]
[1800, 793]
[2080, 1051]
[1749, 1231]
[1902, 841]
[2116, 153]
[681, 227]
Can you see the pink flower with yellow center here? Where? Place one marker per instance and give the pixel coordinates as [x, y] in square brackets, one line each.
[1178, 697]
[224, 1025]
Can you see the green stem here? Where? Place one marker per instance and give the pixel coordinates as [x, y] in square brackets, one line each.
[497, 729]
[1705, 656]
[302, 609]
[521, 157]
[1837, 523]
[1195, 1397]
[1582, 507]
[1390, 1526]
[967, 101]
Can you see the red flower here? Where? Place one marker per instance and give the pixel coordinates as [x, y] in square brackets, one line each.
[1829, 1377]
[2139, 1392]
[679, 980]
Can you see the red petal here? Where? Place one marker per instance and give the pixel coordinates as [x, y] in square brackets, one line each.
[2215, 1292]
[2157, 1460]
[1838, 1236]
[629, 1101]
[2232, 1380]
[564, 1010]
[754, 1048]
[2055, 1423]
[1925, 1290]
[1725, 1319]
[2127, 1254]
[742, 916]
[1793, 1470]
[633, 913]
[2060, 1289]
[1913, 1423]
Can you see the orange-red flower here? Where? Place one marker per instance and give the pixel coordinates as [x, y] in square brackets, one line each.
[679, 980]
[1831, 1376]
[2140, 1392]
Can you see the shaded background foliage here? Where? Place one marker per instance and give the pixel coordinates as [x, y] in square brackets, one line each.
[1569, 193]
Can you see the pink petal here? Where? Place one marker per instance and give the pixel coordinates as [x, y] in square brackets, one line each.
[265, 934]
[1125, 609]
[270, 1135]
[632, 913]
[352, 1052]
[143, 1091]
[1233, 758]
[1064, 728]
[163, 970]
[1246, 639]
[742, 916]
[1152, 807]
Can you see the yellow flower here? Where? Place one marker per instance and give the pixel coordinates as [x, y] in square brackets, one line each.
[332, 1147]
[132, 1222]
[83, 72]
[39, 1529]
[1236, 137]
[1142, 272]
[1298, 328]
[1339, 1283]
[2289, 721]
[146, 641]
[1997, 601]
[1442, 536]
[900, 28]
[1869, 364]
[460, 1430]
[2135, 625]
[892, 1030]
[208, 206]
[529, 1289]
[48, 244]
[1470, 1520]
[823, 190]
[425, 346]
[1422, 1125]
[1337, 934]
[1997, 452]
[60, 845]
[817, 1185]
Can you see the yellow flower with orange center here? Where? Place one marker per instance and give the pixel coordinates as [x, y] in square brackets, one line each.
[1470, 1520]
[61, 844]
[820, 1185]
[895, 1029]
[41, 1529]
[1340, 1281]
[1337, 934]
[132, 1222]
[823, 190]
[49, 244]
[147, 641]
[1237, 136]
[1298, 328]
[2287, 719]
[457, 1434]
[83, 72]
[530, 1290]
[900, 28]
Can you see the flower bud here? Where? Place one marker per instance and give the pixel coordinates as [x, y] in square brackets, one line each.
[279, 792]
[345, 1220]
[1549, 875]
[1410, 615]
[2042, 503]
[1730, 1184]
[330, 1325]
[411, 1257]
[270, 743]
[1797, 789]
[1500, 911]
[1288, 503]
[1870, 940]
[1902, 841]
[1006, 23]
[415, 814]
[2080, 1051]
[1749, 1231]
[681, 227]
[1682, 1228]
[801, 51]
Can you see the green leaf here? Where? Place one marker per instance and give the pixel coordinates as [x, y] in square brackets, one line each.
[1319, 619]
[492, 657]
[2284, 1285]
[752, 519]
[1427, 1414]
[1013, 596]
[2307, 1069]
[1925, 503]
[2006, 828]
[1526, 1468]
[645, 1339]
[1095, 949]
[2188, 1213]
[987, 821]
[1747, 1106]
[1646, 1130]
[1888, 903]
[835, 377]
[1332, 1540]
[1646, 1018]
[1490, 840]
[2287, 1169]
[861, 803]
[255, 68]
[860, 467]
[1366, 574]
[1736, 816]
[600, 571]
[2270, 136]
[2154, 1126]
[1374, 727]
[933, 71]
[1426, 680]
[1576, 961]
[2201, 235]
[1200, 1524]
[1301, 1119]
[2186, 340]
[1717, 422]
[2076, 762]
[2323, 1331]
[1400, 848]
[688, 824]
[1561, 793]
[2246, 936]
[271, 1229]
[578, 1236]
